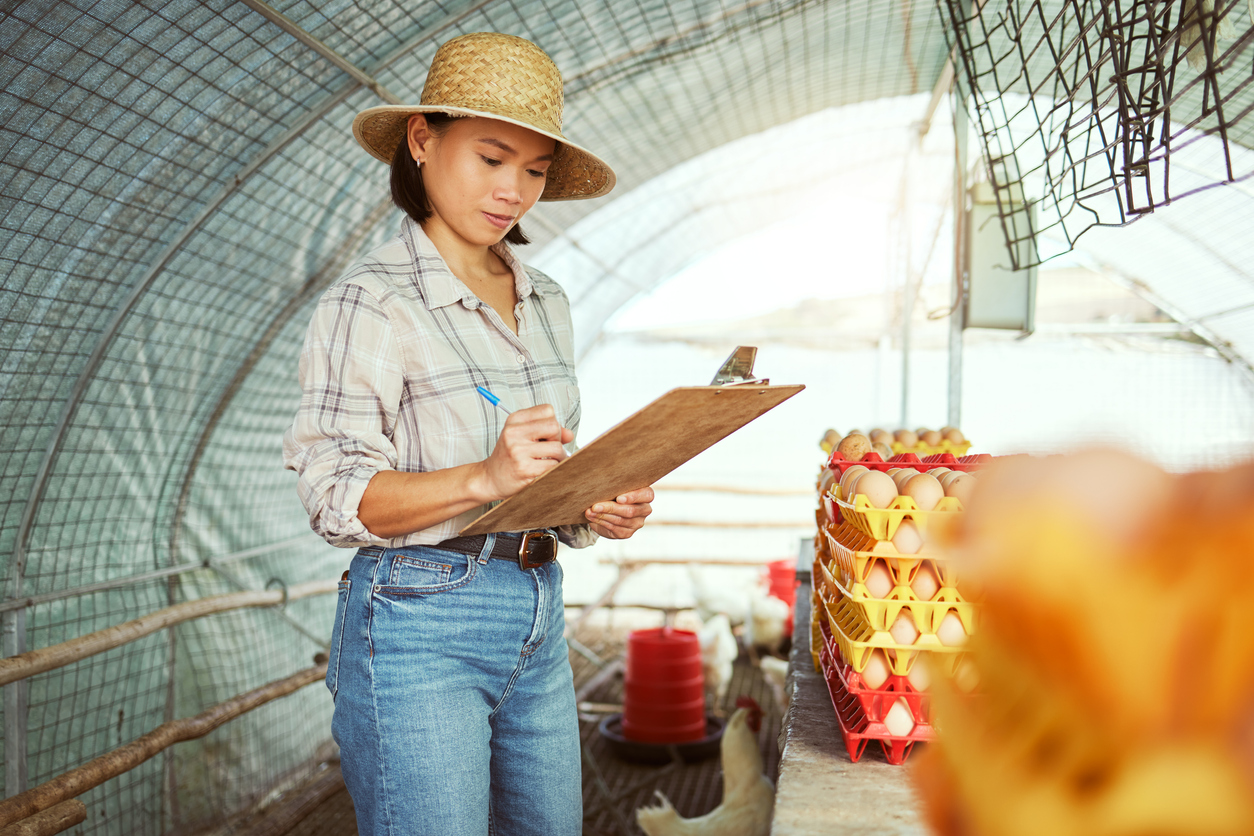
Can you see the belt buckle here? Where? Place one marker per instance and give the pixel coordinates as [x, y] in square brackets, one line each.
[541, 544]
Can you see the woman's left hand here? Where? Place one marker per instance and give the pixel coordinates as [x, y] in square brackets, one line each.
[622, 518]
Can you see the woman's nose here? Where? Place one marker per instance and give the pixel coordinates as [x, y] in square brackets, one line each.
[509, 186]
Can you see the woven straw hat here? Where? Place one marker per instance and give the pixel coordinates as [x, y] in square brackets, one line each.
[498, 77]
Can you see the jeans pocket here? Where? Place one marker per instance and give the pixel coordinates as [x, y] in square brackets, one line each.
[337, 637]
[423, 570]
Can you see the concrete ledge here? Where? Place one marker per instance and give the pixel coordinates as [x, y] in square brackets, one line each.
[820, 791]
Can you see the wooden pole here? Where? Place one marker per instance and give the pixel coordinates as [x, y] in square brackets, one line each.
[56, 819]
[112, 764]
[58, 655]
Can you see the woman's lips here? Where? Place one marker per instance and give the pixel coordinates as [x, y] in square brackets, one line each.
[499, 221]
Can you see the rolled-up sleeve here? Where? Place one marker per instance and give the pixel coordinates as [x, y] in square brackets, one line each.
[351, 378]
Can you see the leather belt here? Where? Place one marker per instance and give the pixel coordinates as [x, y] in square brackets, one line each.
[529, 548]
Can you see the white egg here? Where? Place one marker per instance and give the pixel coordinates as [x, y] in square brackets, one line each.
[899, 720]
[920, 676]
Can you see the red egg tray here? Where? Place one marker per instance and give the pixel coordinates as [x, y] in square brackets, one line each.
[858, 730]
[874, 461]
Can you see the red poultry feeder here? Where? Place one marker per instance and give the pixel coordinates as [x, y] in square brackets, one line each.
[663, 690]
[782, 576]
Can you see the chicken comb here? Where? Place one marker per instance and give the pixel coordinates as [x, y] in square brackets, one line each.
[754, 719]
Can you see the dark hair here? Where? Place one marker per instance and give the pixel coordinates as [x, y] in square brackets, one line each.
[407, 190]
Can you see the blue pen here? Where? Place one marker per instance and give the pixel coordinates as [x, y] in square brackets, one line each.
[492, 399]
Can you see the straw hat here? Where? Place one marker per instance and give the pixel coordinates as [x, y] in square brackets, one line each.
[499, 77]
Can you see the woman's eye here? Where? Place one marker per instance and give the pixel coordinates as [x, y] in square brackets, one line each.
[535, 173]
[490, 161]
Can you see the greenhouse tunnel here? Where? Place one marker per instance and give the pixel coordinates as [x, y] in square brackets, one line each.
[180, 184]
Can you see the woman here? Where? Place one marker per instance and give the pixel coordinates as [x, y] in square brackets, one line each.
[454, 703]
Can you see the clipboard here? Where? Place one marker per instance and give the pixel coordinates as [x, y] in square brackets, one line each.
[634, 454]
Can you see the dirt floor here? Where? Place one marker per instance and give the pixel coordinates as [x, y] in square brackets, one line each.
[612, 788]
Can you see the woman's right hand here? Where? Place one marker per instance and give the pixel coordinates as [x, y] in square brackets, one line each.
[530, 445]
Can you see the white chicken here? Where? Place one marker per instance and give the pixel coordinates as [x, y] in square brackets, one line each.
[775, 671]
[768, 617]
[748, 795]
[729, 599]
[718, 651]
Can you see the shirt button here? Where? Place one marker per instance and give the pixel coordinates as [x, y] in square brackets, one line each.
[521, 359]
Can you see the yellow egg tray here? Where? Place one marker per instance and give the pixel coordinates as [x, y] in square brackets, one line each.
[855, 553]
[882, 523]
[858, 639]
[817, 614]
[880, 613]
[921, 449]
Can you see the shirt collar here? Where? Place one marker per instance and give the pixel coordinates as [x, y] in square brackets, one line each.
[439, 286]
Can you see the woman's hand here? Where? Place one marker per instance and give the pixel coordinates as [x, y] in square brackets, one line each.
[530, 445]
[622, 518]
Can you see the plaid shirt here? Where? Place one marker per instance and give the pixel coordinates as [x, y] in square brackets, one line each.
[388, 373]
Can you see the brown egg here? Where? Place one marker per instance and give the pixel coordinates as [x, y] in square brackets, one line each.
[876, 672]
[906, 438]
[907, 539]
[920, 676]
[878, 581]
[854, 446]
[902, 476]
[903, 630]
[954, 436]
[945, 429]
[849, 475]
[951, 632]
[829, 441]
[925, 490]
[826, 480]
[883, 449]
[931, 438]
[946, 479]
[961, 490]
[966, 676]
[878, 488]
[925, 584]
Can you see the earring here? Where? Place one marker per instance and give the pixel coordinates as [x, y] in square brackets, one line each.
[417, 163]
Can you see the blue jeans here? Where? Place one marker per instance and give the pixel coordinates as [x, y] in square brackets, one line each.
[454, 699]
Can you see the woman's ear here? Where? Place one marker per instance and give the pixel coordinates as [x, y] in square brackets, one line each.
[418, 134]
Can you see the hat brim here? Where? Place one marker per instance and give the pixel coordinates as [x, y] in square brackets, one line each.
[575, 173]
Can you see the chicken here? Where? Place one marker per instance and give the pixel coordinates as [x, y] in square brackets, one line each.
[767, 624]
[718, 651]
[715, 598]
[775, 670]
[748, 795]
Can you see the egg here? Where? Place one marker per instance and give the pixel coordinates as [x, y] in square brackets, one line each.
[876, 672]
[951, 632]
[906, 438]
[961, 489]
[925, 583]
[826, 480]
[931, 438]
[920, 676]
[900, 477]
[966, 676]
[925, 490]
[883, 449]
[848, 476]
[907, 539]
[955, 436]
[899, 720]
[879, 581]
[878, 434]
[854, 446]
[878, 488]
[903, 630]
[947, 478]
[829, 441]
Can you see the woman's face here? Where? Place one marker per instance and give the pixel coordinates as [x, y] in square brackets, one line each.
[482, 175]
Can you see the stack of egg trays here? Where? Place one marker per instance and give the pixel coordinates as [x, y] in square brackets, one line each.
[860, 712]
[852, 554]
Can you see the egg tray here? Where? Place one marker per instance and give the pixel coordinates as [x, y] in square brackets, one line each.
[857, 639]
[875, 702]
[881, 613]
[921, 449]
[874, 461]
[817, 616]
[858, 731]
[882, 523]
[854, 553]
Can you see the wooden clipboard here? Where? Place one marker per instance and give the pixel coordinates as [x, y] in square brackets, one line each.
[634, 454]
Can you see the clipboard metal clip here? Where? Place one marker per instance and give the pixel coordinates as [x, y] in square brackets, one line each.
[737, 369]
